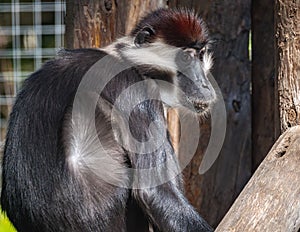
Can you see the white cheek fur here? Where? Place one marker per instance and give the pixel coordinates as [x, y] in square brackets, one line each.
[158, 54]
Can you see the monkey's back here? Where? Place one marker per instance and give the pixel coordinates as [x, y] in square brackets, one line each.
[40, 192]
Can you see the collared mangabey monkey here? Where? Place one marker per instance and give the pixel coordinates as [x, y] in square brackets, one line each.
[64, 170]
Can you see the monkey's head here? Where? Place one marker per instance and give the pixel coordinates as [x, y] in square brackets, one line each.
[172, 47]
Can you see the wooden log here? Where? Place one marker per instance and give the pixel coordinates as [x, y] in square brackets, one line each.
[271, 199]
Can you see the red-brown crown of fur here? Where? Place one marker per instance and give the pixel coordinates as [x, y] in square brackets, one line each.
[180, 28]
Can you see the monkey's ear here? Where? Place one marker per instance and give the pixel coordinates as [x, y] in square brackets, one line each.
[143, 36]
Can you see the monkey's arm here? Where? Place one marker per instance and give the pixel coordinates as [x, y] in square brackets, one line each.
[156, 179]
[165, 204]
[170, 211]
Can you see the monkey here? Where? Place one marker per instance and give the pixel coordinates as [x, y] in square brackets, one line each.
[77, 155]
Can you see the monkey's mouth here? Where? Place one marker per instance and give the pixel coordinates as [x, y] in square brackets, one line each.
[201, 107]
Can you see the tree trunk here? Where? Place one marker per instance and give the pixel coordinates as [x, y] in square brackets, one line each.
[287, 22]
[263, 80]
[97, 23]
[90, 23]
[270, 202]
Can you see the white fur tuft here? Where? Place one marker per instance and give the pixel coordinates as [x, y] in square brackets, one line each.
[207, 62]
[92, 148]
[158, 54]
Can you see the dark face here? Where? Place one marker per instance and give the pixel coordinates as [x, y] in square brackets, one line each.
[189, 87]
[192, 80]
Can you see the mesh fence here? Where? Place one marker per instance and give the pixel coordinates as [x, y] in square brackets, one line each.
[30, 33]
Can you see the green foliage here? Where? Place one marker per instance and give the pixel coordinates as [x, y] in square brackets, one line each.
[5, 224]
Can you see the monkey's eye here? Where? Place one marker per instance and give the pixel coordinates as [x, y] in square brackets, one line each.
[143, 36]
[189, 54]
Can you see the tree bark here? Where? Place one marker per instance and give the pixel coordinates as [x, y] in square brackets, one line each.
[97, 23]
[90, 23]
[287, 22]
[263, 80]
[270, 201]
